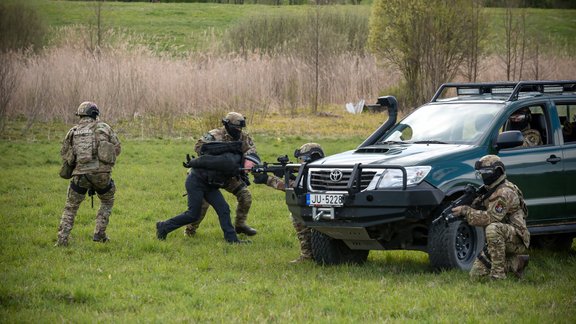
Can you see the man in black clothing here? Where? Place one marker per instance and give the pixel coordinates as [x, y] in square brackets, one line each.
[218, 162]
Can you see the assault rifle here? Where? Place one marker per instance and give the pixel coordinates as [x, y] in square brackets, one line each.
[278, 169]
[470, 193]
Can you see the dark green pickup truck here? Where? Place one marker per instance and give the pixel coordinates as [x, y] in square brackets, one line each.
[385, 194]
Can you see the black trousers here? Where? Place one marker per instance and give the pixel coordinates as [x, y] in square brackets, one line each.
[199, 190]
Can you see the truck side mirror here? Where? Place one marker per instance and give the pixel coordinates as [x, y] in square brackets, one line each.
[509, 139]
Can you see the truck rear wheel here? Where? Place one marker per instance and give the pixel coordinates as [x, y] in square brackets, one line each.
[454, 246]
[330, 251]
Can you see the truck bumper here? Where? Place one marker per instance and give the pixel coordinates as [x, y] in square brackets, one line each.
[358, 220]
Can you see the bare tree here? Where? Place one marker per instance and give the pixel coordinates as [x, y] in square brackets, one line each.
[21, 28]
[478, 27]
[96, 28]
[427, 40]
[516, 40]
[8, 82]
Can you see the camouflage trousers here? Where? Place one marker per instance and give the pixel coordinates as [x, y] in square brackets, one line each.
[503, 245]
[98, 182]
[239, 189]
[304, 237]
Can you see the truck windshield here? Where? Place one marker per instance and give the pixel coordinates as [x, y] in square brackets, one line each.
[450, 123]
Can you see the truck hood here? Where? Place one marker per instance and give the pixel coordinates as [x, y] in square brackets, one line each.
[395, 154]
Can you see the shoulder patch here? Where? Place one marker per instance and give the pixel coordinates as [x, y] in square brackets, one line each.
[498, 208]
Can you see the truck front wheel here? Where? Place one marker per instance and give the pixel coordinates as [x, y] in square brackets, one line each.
[330, 251]
[455, 245]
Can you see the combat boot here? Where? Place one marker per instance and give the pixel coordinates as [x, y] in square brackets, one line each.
[103, 238]
[246, 230]
[522, 264]
[161, 232]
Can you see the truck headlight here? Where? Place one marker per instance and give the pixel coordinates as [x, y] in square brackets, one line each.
[392, 178]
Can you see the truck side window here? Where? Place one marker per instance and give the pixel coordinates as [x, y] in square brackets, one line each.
[532, 122]
[567, 114]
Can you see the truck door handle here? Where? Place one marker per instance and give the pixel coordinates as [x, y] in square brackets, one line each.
[553, 159]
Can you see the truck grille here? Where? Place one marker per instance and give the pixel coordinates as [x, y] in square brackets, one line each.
[320, 180]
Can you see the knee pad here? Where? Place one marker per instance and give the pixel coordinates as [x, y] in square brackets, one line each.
[106, 189]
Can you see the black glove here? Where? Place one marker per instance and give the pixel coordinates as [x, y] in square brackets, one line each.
[188, 160]
[261, 178]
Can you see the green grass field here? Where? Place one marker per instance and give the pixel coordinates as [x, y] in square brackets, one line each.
[177, 27]
[168, 26]
[136, 278]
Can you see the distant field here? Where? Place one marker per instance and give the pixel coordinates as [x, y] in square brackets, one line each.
[175, 26]
[189, 26]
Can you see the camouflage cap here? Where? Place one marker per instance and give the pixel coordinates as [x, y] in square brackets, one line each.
[313, 151]
[234, 119]
[88, 108]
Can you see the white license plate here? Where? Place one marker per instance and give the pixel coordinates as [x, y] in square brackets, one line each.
[324, 199]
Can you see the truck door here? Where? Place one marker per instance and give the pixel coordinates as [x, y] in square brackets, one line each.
[538, 169]
[567, 119]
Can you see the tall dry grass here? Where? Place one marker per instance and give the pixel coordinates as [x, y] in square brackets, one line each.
[128, 84]
[561, 66]
[133, 83]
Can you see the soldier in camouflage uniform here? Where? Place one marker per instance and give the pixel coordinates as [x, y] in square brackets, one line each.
[503, 216]
[92, 146]
[520, 120]
[231, 131]
[308, 152]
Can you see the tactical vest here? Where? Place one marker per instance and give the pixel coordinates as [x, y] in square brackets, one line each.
[85, 148]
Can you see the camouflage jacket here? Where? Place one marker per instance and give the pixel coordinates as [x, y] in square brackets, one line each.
[278, 183]
[92, 145]
[505, 205]
[531, 137]
[220, 134]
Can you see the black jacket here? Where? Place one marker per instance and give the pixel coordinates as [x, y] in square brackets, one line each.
[217, 166]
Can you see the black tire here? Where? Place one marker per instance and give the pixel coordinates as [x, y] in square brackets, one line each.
[330, 251]
[455, 246]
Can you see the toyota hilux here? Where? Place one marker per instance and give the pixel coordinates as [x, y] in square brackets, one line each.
[384, 194]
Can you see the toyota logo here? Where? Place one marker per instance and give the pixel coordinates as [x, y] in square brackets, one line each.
[335, 175]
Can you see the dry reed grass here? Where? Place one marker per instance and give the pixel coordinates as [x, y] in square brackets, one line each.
[129, 84]
[134, 84]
